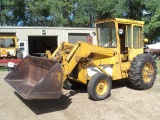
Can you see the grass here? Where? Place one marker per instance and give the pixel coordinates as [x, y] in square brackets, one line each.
[158, 66]
[2, 68]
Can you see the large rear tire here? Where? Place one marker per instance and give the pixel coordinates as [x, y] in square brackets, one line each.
[99, 86]
[143, 72]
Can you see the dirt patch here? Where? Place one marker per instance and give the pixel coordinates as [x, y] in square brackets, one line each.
[124, 103]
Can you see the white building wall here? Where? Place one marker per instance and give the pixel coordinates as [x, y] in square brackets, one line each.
[62, 33]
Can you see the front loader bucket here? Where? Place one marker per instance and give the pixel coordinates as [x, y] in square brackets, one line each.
[37, 78]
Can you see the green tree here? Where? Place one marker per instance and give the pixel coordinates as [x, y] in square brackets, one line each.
[60, 12]
[6, 12]
[84, 13]
[152, 18]
[37, 12]
[12, 12]
[18, 12]
[110, 8]
[79, 13]
[153, 28]
[134, 9]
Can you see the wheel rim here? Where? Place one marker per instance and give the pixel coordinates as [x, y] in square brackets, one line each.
[147, 72]
[102, 87]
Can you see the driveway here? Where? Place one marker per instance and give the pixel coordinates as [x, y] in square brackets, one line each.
[124, 103]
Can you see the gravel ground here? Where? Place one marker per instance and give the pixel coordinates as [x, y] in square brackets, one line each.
[124, 103]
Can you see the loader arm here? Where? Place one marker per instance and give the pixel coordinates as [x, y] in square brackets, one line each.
[80, 52]
[119, 40]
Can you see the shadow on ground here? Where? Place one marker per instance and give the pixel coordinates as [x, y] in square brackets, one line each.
[53, 105]
[121, 83]
[48, 105]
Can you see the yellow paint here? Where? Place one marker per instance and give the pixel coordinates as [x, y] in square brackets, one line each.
[8, 49]
[3, 52]
[147, 72]
[102, 87]
[75, 58]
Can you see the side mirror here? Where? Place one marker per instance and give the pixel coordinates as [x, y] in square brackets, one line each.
[120, 31]
[145, 40]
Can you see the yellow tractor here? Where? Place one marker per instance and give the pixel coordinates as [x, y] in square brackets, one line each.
[117, 55]
[10, 55]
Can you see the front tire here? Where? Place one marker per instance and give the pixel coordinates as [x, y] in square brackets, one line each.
[142, 72]
[99, 86]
